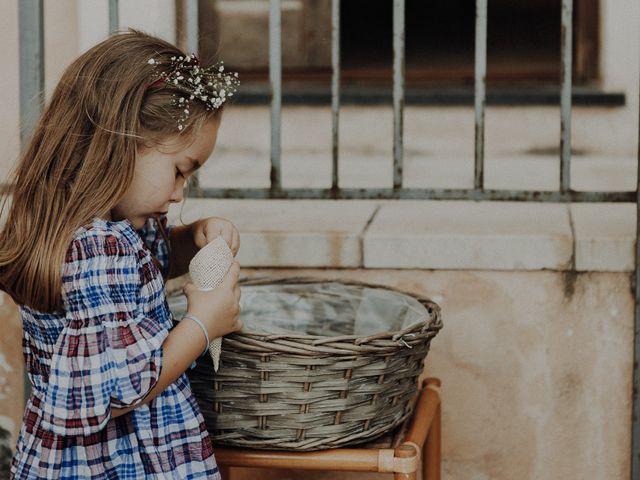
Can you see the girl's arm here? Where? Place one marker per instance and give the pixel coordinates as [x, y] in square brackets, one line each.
[218, 310]
[183, 345]
[186, 240]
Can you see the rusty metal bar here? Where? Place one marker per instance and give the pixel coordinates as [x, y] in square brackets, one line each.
[31, 48]
[275, 77]
[635, 408]
[565, 95]
[480, 90]
[419, 194]
[191, 26]
[31, 17]
[398, 90]
[114, 17]
[192, 33]
[335, 90]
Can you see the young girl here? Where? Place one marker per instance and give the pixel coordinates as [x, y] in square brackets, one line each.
[84, 250]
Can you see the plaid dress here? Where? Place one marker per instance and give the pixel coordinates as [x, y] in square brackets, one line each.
[105, 350]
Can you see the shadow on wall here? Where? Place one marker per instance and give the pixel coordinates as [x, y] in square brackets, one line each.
[5, 453]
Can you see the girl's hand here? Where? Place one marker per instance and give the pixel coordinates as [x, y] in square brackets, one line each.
[207, 229]
[218, 309]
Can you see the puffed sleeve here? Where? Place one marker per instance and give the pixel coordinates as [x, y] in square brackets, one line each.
[155, 234]
[109, 354]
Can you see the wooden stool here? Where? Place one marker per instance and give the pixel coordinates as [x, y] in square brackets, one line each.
[418, 438]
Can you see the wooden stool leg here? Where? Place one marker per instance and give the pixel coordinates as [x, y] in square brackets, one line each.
[431, 453]
[225, 472]
[406, 451]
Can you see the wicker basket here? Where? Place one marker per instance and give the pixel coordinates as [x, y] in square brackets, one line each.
[319, 383]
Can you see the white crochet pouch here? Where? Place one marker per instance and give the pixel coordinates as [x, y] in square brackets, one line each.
[207, 269]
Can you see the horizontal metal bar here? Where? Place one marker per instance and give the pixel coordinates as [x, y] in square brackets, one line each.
[414, 194]
[402, 194]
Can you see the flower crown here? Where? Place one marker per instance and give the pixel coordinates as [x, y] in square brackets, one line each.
[211, 85]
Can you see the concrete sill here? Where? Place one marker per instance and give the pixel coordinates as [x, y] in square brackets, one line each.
[427, 234]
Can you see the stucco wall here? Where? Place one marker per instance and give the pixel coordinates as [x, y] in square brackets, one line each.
[536, 383]
[536, 366]
[11, 368]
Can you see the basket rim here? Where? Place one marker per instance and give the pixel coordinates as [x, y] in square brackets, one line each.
[383, 340]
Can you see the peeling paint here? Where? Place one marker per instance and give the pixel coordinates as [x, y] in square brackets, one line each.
[6, 423]
[5, 387]
[4, 364]
[569, 279]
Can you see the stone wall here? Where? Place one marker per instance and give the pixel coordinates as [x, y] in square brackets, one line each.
[535, 359]
[536, 376]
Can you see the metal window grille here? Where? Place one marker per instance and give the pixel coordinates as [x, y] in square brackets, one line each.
[32, 87]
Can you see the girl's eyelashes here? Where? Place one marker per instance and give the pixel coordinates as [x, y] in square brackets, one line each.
[179, 173]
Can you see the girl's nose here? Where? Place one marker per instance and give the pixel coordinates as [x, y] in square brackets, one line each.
[178, 193]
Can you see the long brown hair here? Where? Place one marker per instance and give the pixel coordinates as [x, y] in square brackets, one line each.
[81, 157]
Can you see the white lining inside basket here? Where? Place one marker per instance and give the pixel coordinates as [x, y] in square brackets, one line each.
[322, 309]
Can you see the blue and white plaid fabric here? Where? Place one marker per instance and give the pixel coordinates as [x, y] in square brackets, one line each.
[105, 350]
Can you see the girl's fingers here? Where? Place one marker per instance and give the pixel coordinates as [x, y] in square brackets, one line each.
[232, 275]
[238, 325]
[201, 238]
[228, 237]
[235, 268]
[188, 288]
[235, 242]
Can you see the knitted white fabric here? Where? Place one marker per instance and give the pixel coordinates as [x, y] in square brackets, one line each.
[207, 269]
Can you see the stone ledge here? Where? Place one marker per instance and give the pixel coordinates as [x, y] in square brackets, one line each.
[605, 236]
[287, 233]
[426, 234]
[470, 235]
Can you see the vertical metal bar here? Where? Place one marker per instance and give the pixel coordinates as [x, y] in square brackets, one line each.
[565, 96]
[31, 47]
[114, 18]
[31, 65]
[480, 90]
[192, 33]
[398, 90]
[635, 408]
[335, 89]
[191, 26]
[275, 77]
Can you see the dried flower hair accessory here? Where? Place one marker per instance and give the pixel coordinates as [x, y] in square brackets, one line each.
[212, 85]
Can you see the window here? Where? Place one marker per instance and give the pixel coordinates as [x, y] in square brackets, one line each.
[523, 41]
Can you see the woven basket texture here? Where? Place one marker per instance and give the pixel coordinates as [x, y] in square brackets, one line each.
[323, 388]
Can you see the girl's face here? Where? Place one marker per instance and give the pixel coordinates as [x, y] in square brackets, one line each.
[161, 173]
